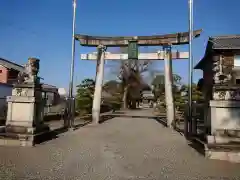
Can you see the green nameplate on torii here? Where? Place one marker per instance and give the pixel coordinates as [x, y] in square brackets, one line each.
[133, 49]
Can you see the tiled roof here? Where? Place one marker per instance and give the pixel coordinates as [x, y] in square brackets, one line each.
[49, 88]
[226, 42]
[11, 65]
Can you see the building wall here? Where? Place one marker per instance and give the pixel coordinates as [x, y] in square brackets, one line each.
[5, 90]
[12, 76]
[8, 75]
[3, 74]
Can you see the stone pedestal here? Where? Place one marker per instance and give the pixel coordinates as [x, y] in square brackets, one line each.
[225, 116]
[25, 115]
[224, 141]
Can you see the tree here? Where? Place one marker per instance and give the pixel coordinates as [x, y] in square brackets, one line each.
[131, 76]
[180, 91]
[158, 84]
[84, 97]
[196, 93]
[113, 89]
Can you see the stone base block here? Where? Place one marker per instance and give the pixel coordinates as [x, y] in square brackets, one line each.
[23, 136]
[222, 140]
[26, 130]
[7, 141]
[231, 156]
[225, 117]
[219, 148]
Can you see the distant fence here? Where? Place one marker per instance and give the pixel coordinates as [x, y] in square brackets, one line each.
[56, 109]
[197, 118]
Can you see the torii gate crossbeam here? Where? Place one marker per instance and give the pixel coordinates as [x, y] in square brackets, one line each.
[142, 56]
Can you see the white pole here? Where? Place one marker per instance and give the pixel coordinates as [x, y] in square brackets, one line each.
[71, 107]
[190, 65]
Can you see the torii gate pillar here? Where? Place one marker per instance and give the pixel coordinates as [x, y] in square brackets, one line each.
[168, 86]
[98, 85]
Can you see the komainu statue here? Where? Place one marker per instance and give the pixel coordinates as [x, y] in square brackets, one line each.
[31, 69]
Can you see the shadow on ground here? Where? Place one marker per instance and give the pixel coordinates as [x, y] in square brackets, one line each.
[55, 132]
[161, 120]
[199, 147]
[60, 128]
[105, 118]
[50, 135]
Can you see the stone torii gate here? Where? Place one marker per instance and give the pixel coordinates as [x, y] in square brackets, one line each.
[133, 42]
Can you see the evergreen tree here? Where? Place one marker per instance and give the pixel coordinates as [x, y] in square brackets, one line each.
[84, 96]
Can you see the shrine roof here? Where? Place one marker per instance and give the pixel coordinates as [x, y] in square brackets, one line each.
[155, 40]
[11, 65]
[219, 43]
[226, 42]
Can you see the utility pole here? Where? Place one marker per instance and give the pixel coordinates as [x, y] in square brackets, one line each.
[188, 122]
[71, 99]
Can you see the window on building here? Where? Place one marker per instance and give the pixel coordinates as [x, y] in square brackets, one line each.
[237, 61]
[238, 81]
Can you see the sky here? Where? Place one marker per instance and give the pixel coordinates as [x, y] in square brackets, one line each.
[43, 29]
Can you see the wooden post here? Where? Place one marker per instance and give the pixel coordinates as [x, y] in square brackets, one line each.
[194, 120]
[98, 85]
[168, 86]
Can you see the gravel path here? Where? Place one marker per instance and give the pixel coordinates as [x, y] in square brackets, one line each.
[119, 149]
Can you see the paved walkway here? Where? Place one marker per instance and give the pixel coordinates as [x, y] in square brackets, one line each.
[122, 148]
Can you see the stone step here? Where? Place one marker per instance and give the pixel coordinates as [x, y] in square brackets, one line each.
[227, 132]
[13, 139]
[13, 136]
[14, 142]
[221, 154]
[226, 147]
[219, 146]
[222, 139]
[224, 151]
